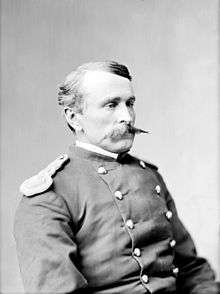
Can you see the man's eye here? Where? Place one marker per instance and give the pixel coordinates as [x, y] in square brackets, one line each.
[111, 105]
[130, 103]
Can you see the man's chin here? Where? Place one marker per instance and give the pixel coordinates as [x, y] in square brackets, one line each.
[121, 146]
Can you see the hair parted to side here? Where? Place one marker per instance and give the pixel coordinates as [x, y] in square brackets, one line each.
[70, 91]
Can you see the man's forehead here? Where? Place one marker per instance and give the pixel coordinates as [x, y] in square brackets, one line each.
[99, 81]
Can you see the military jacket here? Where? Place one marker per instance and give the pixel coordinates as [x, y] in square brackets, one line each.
[107, 226]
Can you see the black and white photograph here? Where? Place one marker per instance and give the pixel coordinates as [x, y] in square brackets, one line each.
[110, 147]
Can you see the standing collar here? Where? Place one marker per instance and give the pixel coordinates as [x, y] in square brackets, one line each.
[96, 158]
[96, 149]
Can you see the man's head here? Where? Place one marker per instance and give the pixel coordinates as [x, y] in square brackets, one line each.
[98, 101]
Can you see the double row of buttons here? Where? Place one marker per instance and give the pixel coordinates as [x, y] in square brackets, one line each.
[130, 224]
[137, 252]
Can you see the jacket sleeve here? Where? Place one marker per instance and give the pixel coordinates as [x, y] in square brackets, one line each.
[195, 274]
[46, 249]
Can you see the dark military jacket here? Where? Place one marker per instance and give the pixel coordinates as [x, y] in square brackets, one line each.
[107, 226]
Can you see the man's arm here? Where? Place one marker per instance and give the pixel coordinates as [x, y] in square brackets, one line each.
[45, 245]
[195, 274]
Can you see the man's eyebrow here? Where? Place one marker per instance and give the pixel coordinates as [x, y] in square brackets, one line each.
[116, 99]
[110, 100]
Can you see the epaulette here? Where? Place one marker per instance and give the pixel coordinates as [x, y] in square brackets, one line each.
[43, 180]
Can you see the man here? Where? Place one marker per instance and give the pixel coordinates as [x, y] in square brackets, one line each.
[99, 220]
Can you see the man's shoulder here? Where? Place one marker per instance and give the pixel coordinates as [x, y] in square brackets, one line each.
[143, 162]
[60, 176]
[44, 179]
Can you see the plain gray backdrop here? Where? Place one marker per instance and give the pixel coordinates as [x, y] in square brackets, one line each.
[171, 48]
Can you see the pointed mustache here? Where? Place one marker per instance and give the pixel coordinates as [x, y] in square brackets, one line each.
[124, 129]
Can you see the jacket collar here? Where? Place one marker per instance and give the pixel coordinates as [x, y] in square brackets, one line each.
[97, 159]
[96, 149]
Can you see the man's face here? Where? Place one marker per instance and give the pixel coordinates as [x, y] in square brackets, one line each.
[108, 107]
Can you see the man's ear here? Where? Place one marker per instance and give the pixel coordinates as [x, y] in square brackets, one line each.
[72, 118]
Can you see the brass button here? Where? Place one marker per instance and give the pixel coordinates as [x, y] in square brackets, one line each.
[142, 164]
[175, 271]
[158, 189]
[118, 195]
[137, 252]
[145, 279]
[102, 170]
[169, 214]
[172, 243]
[130, 224]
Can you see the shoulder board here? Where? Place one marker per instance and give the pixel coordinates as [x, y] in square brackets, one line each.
[43, 180]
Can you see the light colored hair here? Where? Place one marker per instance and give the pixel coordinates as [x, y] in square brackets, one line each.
[70, 91]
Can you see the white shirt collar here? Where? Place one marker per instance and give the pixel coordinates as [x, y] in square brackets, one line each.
[95, 149]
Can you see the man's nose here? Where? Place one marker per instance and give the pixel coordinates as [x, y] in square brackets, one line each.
[126, 114]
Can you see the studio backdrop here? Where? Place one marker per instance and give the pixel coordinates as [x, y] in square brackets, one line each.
[171, 50]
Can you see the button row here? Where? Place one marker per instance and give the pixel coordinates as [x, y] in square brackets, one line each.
[130, 224]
